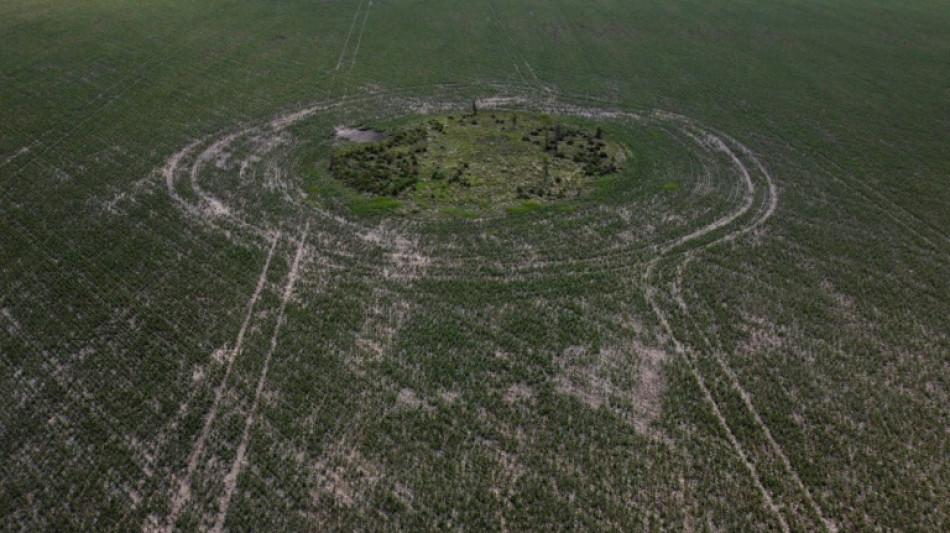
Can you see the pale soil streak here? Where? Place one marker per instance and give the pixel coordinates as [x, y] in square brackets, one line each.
[168, 171]
[285, 120]
[212, 207]
[747, 197]
[348, 35]
[215, 206]
[14, 324]
[240, 459]
[359, 38]
[772, 204]
[208, 207]
[183, 494]
[261, 166]
[514, 62]
[710, 140]
[736, 446]
[767, 212]
[18, 153]
[527, 65]
[747, 401]
[704, 184]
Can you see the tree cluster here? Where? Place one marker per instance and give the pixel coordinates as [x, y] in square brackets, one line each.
[583, 147]
[387, 167]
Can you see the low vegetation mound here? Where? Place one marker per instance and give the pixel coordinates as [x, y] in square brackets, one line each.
[476, 161]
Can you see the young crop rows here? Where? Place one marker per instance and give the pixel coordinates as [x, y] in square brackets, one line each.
[612, 269]
[240, 184]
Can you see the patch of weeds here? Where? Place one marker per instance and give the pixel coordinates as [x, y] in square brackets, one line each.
[525, 206]
[607, 184]
[376, 205]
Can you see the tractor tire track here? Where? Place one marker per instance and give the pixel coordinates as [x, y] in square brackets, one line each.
[183, 493]
[359, 38]
[493, 16]
[765, 211]
[240, 459]
[349, 34]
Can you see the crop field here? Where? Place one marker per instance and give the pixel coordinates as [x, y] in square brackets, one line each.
[605, 265]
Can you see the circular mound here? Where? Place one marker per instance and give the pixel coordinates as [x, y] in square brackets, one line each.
[471, 162]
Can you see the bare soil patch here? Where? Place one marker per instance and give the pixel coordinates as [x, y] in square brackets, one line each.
[627, 379]
[359, 135]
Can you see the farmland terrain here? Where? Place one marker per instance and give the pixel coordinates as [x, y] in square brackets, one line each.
[724, 305]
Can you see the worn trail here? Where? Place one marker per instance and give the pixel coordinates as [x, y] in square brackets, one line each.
[183, 494]
[240, 459]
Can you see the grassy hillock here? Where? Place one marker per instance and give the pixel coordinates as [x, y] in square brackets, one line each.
[488, 161]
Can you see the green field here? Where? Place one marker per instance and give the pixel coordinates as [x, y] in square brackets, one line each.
[746, 327]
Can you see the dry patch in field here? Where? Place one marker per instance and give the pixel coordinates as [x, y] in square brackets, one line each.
[345, 475]
[13, 326]
[358, 135]
[504, 445]
[508, 469]
[519, 392]
[449, 397]
[406, 260]
[627, 379]
[384, 318]
[410, 400]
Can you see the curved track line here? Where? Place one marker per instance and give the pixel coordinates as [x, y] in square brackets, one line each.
[700, 137]
[168, 171]
[217, 206]
[767, 211]
[700, 380]
[747, 197]
[649, 295]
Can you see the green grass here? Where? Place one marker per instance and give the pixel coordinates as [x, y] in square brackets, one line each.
[526, 206]
[482, 162]
[376, 205]
[453, 369]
